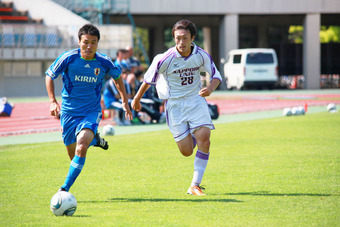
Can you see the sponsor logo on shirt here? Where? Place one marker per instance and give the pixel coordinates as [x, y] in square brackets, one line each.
[186, 72]
[87, 66]
[86, 79]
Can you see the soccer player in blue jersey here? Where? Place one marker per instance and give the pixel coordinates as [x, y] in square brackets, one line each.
[83, 71]
[176, 75]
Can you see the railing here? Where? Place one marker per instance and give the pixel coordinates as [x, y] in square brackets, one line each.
[93, 10]
[33, 36]
[30, 36]
[100, 5]
[46, 42]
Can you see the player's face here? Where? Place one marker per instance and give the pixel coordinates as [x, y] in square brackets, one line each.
[88, 46]
[183, 41]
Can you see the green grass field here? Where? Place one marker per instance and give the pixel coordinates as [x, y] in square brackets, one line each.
[274, 172]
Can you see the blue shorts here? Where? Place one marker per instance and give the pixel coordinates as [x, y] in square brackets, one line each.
[72, 125]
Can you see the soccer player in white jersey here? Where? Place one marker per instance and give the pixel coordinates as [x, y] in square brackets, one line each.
[82, 71]
[176, 75]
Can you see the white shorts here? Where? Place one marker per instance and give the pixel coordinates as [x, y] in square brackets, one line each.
[185, 115]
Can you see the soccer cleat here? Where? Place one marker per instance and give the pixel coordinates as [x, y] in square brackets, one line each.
[196, 190]
[101, 142]
[62, 190]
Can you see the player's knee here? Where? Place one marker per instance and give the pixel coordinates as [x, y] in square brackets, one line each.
[187, 152]
[205, 144]
[81, 150]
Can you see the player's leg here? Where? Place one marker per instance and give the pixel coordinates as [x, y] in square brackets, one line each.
[178, 116]
[71, 149]
[202, 136]
[202, 156]
[186, 145]
[84, 138]
[201, 126]
[80, 131]
[179, 127]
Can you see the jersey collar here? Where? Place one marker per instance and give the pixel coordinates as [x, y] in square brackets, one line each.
[95, 55]
[194, 51]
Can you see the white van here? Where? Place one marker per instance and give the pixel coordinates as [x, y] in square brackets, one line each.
[256, 67]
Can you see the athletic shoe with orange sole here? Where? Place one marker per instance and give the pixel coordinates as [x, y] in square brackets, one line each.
[196, 190]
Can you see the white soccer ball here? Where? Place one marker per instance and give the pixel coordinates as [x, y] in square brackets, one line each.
[295, 111]
[331, 108]
[301, 110]
[108, 130]
[63, 203]
[287, 112]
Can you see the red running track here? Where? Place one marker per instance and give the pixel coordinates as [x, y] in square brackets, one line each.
[254, 103]
[34, 117]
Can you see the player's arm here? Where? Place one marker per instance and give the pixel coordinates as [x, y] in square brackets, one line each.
[125, 103]
[208, 90]
[216, 78]
[135, 104]
[54, 105]
[149, 76]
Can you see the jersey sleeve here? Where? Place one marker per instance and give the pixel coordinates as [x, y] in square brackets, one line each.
[111, 69]
[59, 65]
[210, 67]
[114, 72]
[152, 74]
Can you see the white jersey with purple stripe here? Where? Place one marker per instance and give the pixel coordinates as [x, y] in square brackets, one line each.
[176, 76]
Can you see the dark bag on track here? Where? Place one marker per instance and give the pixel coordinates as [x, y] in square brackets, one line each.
[213, 110]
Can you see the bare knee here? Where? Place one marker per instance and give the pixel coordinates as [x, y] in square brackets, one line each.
[204, 144]
[81, 149]
[185, 147]
[187, 152]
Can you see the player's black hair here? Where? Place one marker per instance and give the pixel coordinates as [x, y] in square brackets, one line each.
[185, 24]
[124, 51]
[88, 29]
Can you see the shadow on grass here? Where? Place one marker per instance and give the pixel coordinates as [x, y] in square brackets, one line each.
[139, 200]
[267, 193]
[80, 216]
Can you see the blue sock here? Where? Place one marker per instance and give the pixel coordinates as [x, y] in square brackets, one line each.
[76, 166]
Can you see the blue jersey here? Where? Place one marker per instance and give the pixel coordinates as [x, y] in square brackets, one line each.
[82, 80]
[122, 64]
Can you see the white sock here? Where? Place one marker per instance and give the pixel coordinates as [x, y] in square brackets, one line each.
[200, 164]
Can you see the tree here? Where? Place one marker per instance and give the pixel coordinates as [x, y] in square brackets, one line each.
[328, 34]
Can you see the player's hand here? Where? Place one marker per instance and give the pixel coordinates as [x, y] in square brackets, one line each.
[54, 108]
[204, 92]
[136, 105]
[128, 113]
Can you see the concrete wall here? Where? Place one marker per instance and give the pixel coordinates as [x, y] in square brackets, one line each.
[231, 10]
[212, 7]
[26, 86]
